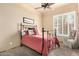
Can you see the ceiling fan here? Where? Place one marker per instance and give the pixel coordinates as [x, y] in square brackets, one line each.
[45, 5]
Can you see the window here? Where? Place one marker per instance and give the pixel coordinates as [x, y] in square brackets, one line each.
[64, 23]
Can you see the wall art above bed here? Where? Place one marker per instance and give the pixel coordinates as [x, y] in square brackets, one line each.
[28, 20]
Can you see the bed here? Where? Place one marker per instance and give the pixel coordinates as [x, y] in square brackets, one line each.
[38, 42]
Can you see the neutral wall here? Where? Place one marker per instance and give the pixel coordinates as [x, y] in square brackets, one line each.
[78, 15]
[48, 16]
[10, 16]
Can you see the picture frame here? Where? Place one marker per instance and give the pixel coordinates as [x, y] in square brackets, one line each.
[28, 20]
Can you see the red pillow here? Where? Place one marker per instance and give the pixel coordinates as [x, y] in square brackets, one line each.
[34, 31]
[26, 32]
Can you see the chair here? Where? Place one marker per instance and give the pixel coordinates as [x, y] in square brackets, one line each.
[73, 40]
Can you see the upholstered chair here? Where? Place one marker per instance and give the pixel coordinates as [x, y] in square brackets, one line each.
[73, 40]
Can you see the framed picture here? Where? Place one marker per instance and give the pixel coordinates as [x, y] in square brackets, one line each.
[28, 20]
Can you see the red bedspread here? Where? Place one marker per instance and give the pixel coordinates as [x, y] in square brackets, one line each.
[35, 42]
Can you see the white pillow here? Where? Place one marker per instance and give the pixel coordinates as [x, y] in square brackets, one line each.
[30, 32]
[23, 33]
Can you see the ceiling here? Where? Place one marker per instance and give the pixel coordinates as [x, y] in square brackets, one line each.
[52, 7]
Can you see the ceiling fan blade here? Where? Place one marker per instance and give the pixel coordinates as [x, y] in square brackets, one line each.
[50, 4]
[38, 7]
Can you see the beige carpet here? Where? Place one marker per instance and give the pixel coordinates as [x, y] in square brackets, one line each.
[25, 51]
[64, 51]
[20, 51]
